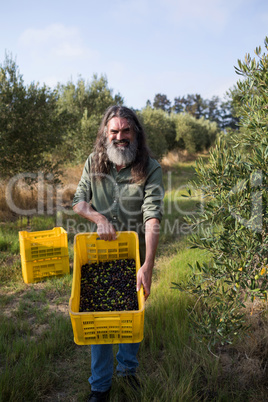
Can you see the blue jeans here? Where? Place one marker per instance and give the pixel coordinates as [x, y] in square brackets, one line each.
[102, 364]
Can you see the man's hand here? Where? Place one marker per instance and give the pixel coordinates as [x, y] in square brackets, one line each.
[144, 277]
[145, 272]
[106, 230]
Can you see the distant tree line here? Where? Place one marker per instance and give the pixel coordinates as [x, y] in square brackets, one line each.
[214, 109]
[40, 127]
[166, 132]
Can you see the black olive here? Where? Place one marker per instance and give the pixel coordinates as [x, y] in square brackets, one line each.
[109, 286]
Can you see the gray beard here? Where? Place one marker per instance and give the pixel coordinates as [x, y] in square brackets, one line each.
[122, 156]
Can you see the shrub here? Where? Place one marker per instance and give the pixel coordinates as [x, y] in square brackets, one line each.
[160, 130]
[193, 134]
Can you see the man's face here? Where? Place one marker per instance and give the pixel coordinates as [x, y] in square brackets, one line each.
[119, 132]
[121, 142]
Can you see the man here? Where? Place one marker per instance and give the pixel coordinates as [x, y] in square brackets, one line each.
[121, 189]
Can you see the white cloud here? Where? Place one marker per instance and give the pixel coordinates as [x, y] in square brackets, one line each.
[56, 53]
[55, 40]
[42, 36]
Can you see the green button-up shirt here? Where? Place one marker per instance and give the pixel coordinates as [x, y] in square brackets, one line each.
[125, 204]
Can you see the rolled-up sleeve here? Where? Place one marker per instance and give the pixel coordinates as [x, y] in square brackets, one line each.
[83, 191]
[153, 195]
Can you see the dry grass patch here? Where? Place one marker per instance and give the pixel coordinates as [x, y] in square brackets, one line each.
[244, 365]
[72, 174]
[16, 198]
[176, 157]
[42, 197]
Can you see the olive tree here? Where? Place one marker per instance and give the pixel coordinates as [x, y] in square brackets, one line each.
[233, 224]
[30, 125]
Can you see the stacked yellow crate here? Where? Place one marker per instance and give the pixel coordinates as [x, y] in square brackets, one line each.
[44, 254]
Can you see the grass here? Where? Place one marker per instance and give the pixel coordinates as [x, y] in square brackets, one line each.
[24, 346]
[40, 362]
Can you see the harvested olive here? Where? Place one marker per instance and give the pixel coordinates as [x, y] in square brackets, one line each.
[108, 286]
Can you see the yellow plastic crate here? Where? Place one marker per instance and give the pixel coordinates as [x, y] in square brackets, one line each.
[105, 326]
[43, 244]
[44, 254]
[35, 271]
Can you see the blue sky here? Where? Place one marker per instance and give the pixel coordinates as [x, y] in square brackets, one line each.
[144, 47]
